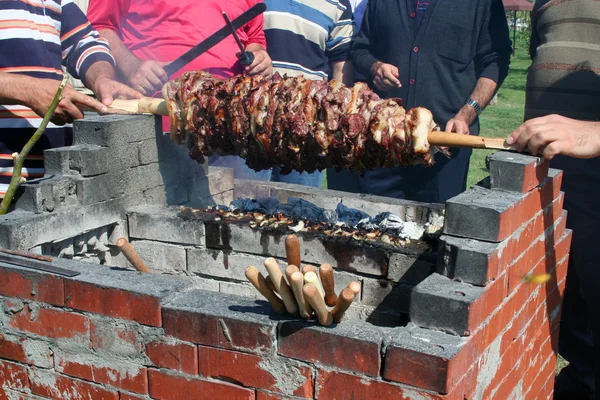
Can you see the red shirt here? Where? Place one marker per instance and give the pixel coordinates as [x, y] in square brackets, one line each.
[162, 30]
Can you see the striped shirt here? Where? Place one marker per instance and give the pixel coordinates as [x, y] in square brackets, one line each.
[304, 37]
[38, 38]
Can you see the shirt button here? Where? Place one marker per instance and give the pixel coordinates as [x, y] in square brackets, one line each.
[412, 81]
[412, 14]
[416, 49]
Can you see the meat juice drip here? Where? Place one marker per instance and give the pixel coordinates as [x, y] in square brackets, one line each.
[296, 123]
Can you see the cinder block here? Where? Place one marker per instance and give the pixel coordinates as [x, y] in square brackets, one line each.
[164, 224]
[56, 161]
[409, 268]
[90, 160]
[221, 320]
[332, 344]
[161, 257]
[516, 172]
[247, 189]
[423, 358]
[114, 130]
[224, 199]
[328, 199]
[220, 180]
[240, 289]
[241, 238]
[161, 195]
[471, 261]
[441, 303]
[46, 194]
[101, 188]
[216, 263]
[387, 295]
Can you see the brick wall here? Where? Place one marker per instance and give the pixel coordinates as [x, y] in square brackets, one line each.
[475, 330]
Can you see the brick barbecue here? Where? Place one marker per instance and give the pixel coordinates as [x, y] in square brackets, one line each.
[447, 316]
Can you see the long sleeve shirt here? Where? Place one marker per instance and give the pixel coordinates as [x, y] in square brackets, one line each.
[163, 30]
[440, 59]
[37, 38]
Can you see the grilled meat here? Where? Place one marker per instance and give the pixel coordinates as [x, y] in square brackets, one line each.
[296, 123]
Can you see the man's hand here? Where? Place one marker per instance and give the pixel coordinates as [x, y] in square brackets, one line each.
[70, 106]
[147, 77]
[107, 90]
[262, 64]
[385, 76]
[462, 120]
[555, 134]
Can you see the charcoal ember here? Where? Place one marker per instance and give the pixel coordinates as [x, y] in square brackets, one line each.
[296, 124]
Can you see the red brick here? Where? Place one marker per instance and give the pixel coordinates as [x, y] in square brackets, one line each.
[50, 384]
[120, 374]
[260, 395]
[537, 199]
[338, 385]
[534, 174]
[13, 375]
[131, 396]
[50, 323]
[13, 350]
[319, 346]
[484, 305]
[116, 303]
[32, 286]
[520, 301]
[174, 355]
[114, 337]
[253, 371]
[214, 331]
[167, 386]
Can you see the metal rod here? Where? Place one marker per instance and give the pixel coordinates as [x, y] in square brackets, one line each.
[236, 37]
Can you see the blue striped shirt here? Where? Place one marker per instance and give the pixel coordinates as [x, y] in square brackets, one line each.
[38, 38]
[304, 37]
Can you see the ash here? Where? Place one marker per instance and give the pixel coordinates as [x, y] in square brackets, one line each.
[342, 217]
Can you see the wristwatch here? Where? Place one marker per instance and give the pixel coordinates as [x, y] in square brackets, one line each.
[475, 106]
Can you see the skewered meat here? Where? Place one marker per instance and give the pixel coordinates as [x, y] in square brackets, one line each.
[296, 123]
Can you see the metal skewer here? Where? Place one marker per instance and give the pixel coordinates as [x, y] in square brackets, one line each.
[246, 57]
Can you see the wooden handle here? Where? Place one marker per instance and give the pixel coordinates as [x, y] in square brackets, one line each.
[449, 139]
[145, 105]
[297, 282]
[355, 287]
[311, 277]
[311, 294]
[289, 271]
[258, 281]
[292, 250]
[269, 283]
[346, 298]
[131, 255]
[326, 274]
[308, 268]
[281, 285]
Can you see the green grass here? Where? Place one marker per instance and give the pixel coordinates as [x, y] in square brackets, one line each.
[501, 119]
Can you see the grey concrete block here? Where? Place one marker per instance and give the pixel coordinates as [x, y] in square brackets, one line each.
[46, 194]
[100, 188]
[208, 284]
[161, 257]
[220, 180]
[224, 198]
[323, 198]
[477, 213]
[221, 320]
[90, 160]
[516, 172]
[468, 260]
[216, 263]
[114, 130]
[164, 224]
[160, 194]
[56, 161]
[427, 353]
[441, 303]
[387, 295]
[409, 268]
[240, 289]
[242, 238]
[247, 189]
[197, 190]
[102, 214]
